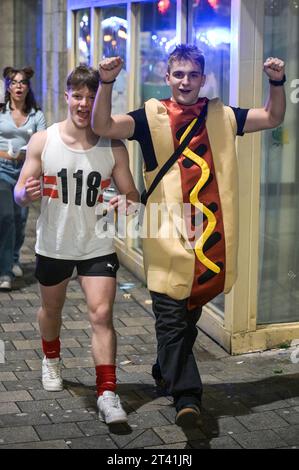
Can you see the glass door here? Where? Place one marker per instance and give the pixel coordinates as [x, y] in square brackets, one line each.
[278, 297]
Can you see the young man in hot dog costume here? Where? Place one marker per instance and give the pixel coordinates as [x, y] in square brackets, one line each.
[183, 276]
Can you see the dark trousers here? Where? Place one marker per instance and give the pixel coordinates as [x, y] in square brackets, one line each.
[176, 333]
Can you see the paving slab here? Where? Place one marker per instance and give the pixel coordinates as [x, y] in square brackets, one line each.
[250, 401]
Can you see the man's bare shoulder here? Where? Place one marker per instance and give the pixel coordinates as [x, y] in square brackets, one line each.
[38, 138]
[36, 144]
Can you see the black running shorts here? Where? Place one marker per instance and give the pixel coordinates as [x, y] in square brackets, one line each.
[52, 271]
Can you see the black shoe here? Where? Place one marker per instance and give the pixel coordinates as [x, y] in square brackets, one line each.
[188, 416]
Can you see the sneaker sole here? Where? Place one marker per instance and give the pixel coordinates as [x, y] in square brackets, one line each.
[112, 421]
[187, 417]
[5, 288]
[53, 389]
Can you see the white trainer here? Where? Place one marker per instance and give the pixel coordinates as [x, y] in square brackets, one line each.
[17, 270]
[5, 283]
[110, 409]
[51, 375]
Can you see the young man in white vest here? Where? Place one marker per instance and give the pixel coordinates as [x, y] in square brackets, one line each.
[183, 277]
[75, 165]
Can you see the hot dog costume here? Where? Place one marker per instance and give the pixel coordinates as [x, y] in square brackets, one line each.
[205, 175]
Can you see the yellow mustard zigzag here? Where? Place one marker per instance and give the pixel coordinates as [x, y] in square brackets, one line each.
[205, 173]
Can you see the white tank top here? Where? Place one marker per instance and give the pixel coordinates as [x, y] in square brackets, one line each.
[72, 185]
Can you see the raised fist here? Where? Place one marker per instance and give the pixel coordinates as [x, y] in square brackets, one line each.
[274, 68]
[109, 68]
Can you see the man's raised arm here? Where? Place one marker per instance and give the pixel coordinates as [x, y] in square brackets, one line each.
[28, 187]
[273, 112]
[115, 127]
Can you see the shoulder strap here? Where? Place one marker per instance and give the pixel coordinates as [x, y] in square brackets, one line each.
[180, 149]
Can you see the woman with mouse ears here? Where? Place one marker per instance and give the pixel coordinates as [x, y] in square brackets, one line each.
[20, 117]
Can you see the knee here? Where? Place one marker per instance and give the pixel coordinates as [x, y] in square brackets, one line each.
[101, 316]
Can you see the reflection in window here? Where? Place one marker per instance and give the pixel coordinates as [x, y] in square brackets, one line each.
[83, 36]
[210, 25]
[157, 40]
[113, 37]
[209, 21]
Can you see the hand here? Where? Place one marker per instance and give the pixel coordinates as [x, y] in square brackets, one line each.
[109, 68]
[132, 207]
[117, 202]
[33, 189]
[274, 68]
[123, 205]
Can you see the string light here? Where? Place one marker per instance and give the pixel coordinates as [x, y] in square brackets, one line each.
[163, 6]
[214, 3]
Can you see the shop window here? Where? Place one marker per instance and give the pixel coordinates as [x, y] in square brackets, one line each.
[209, 26]
[113, 42]
[157, 40]
[83, 36]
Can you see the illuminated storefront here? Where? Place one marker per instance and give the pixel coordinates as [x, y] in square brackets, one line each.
[236, 36]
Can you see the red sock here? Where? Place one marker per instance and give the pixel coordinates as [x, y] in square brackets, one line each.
[51, 348]
[106, 378]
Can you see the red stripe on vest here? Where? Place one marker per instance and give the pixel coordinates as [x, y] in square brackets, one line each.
[105, 183]
[50, 179]
[53, 193]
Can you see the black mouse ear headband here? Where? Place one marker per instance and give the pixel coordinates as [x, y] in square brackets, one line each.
[28, 72]
[8, 71]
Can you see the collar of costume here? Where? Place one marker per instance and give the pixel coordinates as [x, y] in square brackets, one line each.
[181, 115]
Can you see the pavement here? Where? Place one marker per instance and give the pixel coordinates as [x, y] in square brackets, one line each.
[250, 401]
